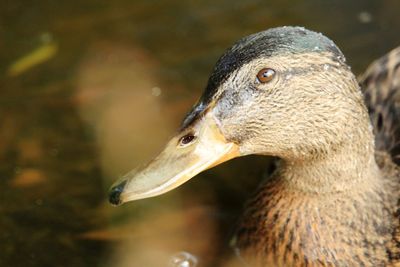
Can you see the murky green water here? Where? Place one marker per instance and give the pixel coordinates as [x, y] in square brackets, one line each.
[92, 89]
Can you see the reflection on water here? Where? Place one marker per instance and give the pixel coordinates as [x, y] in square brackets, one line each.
[183, 259]
[90, 90]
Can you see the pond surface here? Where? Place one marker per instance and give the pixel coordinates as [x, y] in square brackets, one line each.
[92, 89]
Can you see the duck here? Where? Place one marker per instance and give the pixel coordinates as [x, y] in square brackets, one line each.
[287, 92]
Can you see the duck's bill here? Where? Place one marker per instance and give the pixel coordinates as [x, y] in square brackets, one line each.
[181, 160]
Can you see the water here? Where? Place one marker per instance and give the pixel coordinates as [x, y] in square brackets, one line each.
[90, 90]
[183, 259]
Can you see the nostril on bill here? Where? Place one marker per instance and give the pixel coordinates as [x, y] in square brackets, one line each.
[187, 139]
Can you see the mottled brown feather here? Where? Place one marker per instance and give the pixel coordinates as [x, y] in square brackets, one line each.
[381, 87]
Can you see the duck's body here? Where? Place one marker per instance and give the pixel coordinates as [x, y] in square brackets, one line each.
[284, 226]
[287, 92]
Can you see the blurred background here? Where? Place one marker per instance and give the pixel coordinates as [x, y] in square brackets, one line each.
[92, 89]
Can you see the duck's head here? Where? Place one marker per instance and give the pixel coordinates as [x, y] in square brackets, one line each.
[285, 92]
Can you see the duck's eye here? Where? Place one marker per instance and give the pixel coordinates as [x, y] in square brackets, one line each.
[186, 139]
[265, 75]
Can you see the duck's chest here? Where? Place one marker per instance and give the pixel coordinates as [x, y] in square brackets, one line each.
[283, 228]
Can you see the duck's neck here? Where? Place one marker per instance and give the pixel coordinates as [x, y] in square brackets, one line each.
[328, 208]
[350, 164]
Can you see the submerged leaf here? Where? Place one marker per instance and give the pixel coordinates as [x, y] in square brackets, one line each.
[35, 57]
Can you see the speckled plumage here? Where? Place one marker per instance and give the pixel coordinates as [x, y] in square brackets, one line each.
[338, 203]
[275, 41]
[282, 227]
[333, 199]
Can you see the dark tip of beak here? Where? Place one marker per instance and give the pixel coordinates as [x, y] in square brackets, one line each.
[114, 196]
